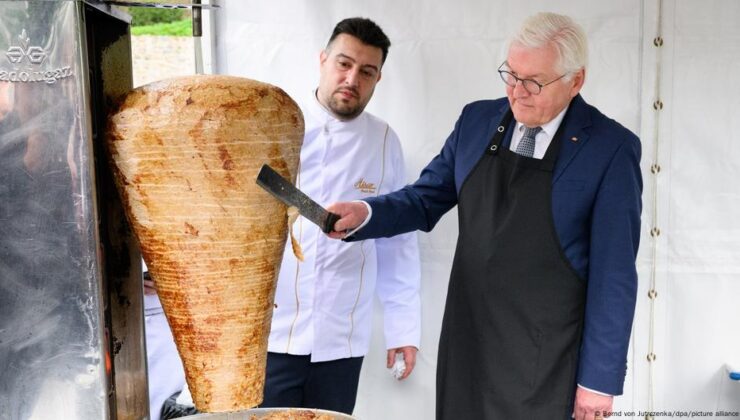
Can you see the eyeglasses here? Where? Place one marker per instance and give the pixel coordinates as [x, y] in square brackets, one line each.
[532, 86]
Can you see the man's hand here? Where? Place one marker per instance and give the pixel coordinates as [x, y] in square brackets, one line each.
[149, 287]
[351, 215]
[6, 99]
[409, 356]
[591, 406]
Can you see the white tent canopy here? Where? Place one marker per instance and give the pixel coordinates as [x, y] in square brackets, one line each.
[444, 54]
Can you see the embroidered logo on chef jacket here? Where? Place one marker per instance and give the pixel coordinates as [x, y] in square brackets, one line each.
[365, 187]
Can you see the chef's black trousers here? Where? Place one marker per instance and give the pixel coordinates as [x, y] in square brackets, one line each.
[294, 381]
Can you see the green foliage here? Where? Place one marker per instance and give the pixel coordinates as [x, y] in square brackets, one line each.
[179, 28]
[144, 16]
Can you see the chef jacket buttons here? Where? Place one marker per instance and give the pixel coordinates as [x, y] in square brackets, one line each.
[494, 147]
[500, 128]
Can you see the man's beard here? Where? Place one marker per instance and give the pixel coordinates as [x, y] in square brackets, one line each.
[344, 110]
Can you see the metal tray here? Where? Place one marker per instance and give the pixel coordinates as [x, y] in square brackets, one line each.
[246, 414]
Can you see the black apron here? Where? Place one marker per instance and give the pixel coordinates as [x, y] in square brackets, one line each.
[514, 315]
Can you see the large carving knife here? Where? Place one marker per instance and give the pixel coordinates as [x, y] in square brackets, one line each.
[286, 192]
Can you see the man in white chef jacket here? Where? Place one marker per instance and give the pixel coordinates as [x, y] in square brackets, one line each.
[323, 305]
[166, 375]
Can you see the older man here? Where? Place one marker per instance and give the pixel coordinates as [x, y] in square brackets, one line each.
[542, 290]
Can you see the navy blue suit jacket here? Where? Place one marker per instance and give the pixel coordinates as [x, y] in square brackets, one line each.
[596, 204]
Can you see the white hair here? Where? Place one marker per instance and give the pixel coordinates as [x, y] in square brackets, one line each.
[560, 31]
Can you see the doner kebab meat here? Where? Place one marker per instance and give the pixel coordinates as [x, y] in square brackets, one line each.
[185, 155]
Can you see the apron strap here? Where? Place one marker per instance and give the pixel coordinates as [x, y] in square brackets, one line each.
[498, 136]
[551, 155]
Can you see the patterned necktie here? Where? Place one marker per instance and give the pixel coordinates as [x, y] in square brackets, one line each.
[526, 144]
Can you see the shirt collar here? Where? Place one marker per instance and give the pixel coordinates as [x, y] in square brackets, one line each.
[551, 127]
[318, 110]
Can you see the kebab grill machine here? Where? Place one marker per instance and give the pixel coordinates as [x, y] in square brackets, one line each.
[71, 319]
[81, 179]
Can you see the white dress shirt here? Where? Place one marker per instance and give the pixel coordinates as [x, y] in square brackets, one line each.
[323, 305]
[542, 139]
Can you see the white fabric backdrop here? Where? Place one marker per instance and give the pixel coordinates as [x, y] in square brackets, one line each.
[697, 204]
[444, 54]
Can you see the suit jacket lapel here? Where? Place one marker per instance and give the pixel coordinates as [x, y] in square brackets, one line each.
[576, 122]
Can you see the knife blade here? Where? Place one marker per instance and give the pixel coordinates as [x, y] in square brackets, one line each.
[286, 192]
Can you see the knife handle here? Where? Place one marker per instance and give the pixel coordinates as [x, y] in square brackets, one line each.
[329, 223]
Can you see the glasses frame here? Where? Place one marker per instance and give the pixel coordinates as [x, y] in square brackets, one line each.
[506, 73]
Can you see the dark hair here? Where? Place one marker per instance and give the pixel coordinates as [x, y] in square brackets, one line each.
[365, 30]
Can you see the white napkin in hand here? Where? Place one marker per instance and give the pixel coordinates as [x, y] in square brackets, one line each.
[399, 367]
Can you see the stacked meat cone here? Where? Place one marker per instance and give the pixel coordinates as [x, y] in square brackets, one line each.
[185, 155]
